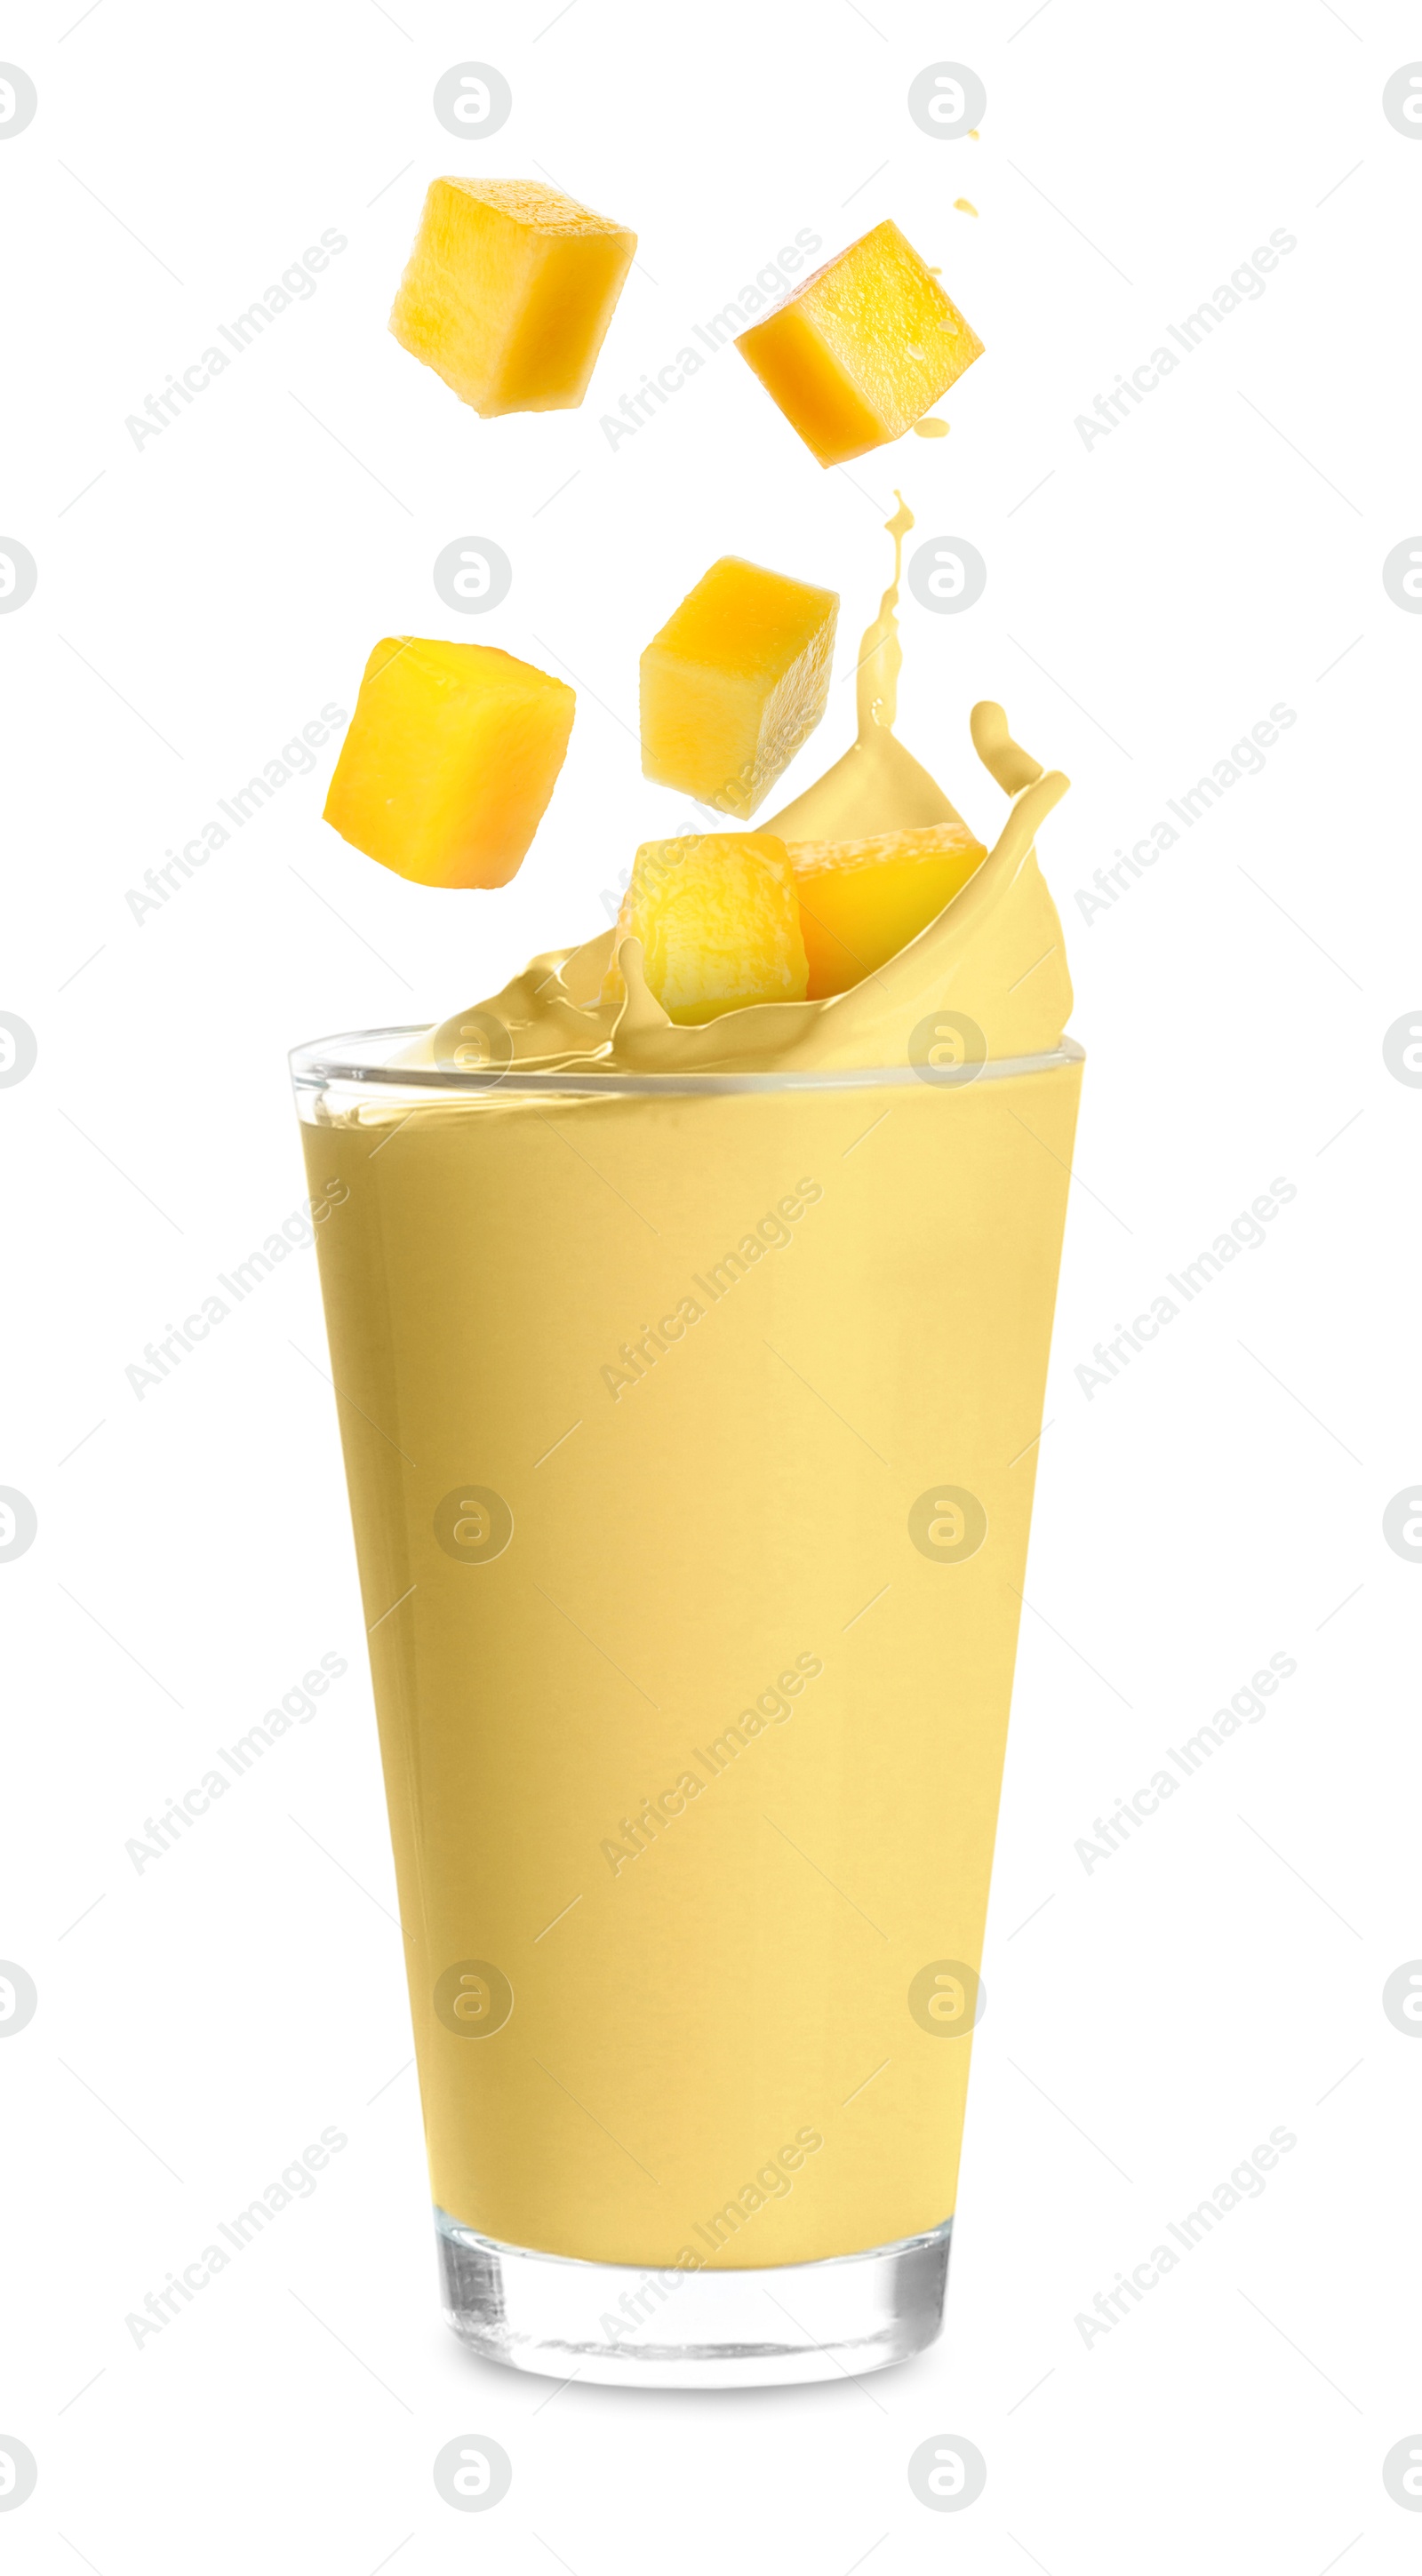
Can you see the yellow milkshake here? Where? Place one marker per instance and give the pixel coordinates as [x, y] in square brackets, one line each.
[690, 1380]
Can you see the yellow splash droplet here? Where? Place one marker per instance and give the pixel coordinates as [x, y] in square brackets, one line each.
[964, 206]
[973, 135]
[931, 428]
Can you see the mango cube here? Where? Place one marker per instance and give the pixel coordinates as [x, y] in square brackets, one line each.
[857, 353]
[449, 760]
[508, 293]
[862, 901]
[719, 924]
[735, 682]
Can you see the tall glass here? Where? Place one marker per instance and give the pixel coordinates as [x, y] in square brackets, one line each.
[689, 1428]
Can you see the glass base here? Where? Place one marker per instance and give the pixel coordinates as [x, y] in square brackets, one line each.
[629, 2327]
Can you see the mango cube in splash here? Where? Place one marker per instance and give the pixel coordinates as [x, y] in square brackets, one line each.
[861, 350]
[449, 760]
[862, 901]
[735, 682]
[719, 923]
[509, 291]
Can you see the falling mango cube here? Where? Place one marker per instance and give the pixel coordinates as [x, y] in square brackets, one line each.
[861, 350]
[449, 760]
[508, 293]
[862, 901]
[719, 924]
[735, 682]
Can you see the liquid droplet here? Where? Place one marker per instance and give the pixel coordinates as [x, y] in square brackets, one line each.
[931, 428]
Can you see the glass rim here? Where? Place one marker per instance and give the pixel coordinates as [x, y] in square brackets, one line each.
[364, 1057]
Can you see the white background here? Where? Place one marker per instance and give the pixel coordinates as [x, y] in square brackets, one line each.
[1221, 1500]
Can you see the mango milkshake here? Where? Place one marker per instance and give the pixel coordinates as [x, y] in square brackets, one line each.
[690, 1378]
[689, 1311]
